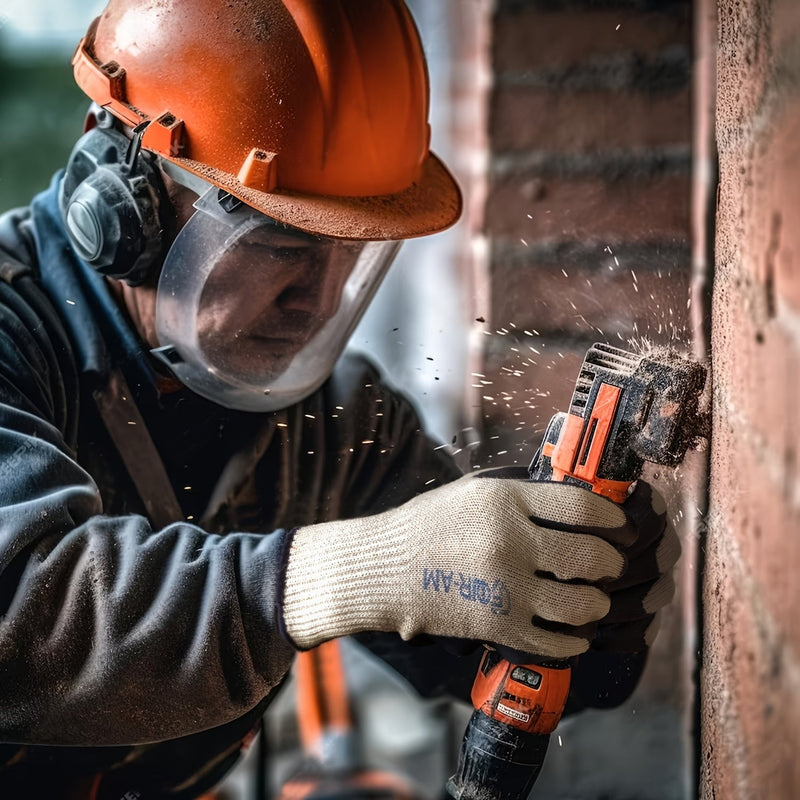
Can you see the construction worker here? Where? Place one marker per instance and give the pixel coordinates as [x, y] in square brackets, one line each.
[194, 484]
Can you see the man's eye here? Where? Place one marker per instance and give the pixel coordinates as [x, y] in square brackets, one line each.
[276, 251]
[288, 253]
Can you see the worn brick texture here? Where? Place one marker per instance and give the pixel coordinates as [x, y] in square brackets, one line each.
[585, 228]
[751, 657]
[587, 206]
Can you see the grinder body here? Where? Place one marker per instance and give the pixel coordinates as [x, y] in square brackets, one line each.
[626, 409]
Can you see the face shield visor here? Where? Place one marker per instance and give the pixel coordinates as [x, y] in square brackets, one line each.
[253, 314]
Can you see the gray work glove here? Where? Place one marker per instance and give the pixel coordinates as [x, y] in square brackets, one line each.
[485, 558]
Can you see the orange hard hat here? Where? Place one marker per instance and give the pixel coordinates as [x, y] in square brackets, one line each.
[311, 111]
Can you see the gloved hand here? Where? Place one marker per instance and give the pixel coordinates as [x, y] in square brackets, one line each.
[647, 585]
[607, 674]
[485, 558]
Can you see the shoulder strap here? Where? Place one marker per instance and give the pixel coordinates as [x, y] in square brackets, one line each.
[121, 417]
[128, 431]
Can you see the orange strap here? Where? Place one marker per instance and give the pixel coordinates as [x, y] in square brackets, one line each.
[322, 700]
[83, 789]
[165, 134]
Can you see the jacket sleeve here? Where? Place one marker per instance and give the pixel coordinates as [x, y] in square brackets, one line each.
[112, 632]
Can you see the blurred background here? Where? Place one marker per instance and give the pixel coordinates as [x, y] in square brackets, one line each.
[569, 126]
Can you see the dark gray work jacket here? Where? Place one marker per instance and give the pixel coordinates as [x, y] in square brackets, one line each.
[130, 647]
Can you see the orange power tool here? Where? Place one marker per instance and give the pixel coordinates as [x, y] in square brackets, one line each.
[626, 409]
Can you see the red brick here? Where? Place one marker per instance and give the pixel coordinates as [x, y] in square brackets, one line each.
[761, 519]
[751, 707]
[655, 207]
[742, 65]
[531, 37]
[785, 24]
[564, 122]
[717, 779]
[760, 184]
[756, 451]
[592, 302]
[774, 231]
[751, 710]
[758, 377]
[734, 184]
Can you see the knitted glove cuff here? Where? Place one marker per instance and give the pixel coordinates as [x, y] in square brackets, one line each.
[336, 583]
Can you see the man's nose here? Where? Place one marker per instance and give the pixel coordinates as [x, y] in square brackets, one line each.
[306, 296]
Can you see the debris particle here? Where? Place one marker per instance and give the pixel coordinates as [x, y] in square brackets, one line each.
[480, 319]
[71, 302]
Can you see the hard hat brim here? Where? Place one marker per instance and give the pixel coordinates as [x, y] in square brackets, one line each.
[431, 204]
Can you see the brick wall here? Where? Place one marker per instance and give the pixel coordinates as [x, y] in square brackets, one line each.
[582, 234]
[587, 213]
[751, 656]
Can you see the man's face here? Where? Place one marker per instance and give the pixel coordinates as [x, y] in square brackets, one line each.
[268, 296]
[251, 313]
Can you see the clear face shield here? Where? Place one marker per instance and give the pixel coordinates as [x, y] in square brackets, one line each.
[253, 314]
